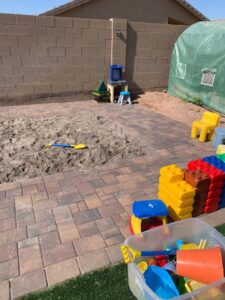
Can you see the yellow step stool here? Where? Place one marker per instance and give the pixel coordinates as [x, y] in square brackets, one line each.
[206, 125]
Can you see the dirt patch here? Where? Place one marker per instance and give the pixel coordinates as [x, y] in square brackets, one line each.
[24, 153]
[172, 107]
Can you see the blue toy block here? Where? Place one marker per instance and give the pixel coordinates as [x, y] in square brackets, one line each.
[219, 137]
[149, 209]
[222, 205]
[222, 202]
[215, 162]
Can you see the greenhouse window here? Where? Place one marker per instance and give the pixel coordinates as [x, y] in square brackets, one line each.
[208, 77]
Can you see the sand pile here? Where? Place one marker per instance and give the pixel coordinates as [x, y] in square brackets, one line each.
[24, 153]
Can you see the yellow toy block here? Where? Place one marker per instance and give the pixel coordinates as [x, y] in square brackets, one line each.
[181, 189]
[177, 202]
[177, 210]
[220, 149]
[173, 215]
[172, 173]
[206, 126]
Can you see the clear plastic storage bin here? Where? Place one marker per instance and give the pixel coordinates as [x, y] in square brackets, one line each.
[191, 230]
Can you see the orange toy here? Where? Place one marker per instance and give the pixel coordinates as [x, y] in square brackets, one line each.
[202, 265]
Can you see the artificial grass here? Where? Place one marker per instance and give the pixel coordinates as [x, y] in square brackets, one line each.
[221, 229]
[107, 284]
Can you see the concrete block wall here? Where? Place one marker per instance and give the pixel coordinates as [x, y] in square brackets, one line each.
[53, 56]
[149, 49]
[49, 56]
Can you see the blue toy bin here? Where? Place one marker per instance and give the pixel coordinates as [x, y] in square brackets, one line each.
[190, 231]
[116, 72]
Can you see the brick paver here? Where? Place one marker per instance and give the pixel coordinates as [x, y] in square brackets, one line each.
[62, 214]
[58, 253]
[8, 252]
[50, 240]
[62, 271]
[30, 259]
[89, 244]
[68, 231]
[55, 227]
[92, 261]
[9, 269]
[28, 283]
[4, 290]
[114, 254]
[7, 224]
[41, 228]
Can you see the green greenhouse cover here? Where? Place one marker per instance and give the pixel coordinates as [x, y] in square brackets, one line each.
[197, 69]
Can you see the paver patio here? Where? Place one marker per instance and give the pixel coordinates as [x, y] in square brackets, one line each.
[56, 227]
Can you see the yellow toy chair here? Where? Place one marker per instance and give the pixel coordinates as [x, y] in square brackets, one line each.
[206, 125]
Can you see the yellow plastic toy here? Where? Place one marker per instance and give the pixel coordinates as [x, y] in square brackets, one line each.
[76, 147]
[192, 285]
[176, 193]
[192, 246]
[180, 190]
[147, 214]
[130, 255]
[213, 293]
[143, 266]
[220, 149]
[173, 199]
[172, 173]
[206, 126]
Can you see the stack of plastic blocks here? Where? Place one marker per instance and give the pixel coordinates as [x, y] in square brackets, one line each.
[222, 198]
[176, 193]
[200, 181]
[216, 183]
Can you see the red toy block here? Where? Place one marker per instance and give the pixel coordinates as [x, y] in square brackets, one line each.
[196, 164]
[200, 204]
[198, 212]
[212, 201]
[196, 178]
[215, 193]
[216, 186]
[210, 209]
[200, 197]
[214, 174]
